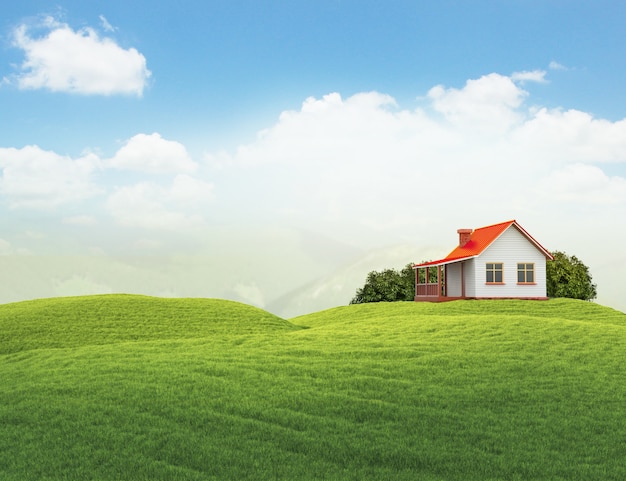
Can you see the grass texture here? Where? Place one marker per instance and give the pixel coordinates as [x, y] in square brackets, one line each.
[130, 387]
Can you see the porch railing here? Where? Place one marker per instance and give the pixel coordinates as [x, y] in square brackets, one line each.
[430, 290]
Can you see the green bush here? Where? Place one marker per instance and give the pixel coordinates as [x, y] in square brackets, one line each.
[389, 285]
[568, 277]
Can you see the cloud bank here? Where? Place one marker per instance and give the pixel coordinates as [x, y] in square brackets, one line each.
[360, 161]
[479, 151]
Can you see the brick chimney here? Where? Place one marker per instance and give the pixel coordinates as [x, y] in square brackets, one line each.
[464, 236]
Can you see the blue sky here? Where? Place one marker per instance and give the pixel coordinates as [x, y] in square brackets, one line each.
[308, 141]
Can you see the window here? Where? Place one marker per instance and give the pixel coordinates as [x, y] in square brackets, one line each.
[494, 273]
[525, 273]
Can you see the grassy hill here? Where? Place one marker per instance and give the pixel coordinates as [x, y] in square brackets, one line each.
[130, 387]
[69, 322]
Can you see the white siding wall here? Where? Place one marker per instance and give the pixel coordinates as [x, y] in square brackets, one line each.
[509, 249]
[470, 277]
[453, 279]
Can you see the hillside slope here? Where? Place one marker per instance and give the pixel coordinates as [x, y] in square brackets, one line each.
[555, 309]
[207, 390]
[113, 318]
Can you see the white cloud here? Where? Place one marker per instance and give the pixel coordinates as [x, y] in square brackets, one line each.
[149, 205]
[64, 60]
[363, 161]
[571, 136]
[153, 154]
[556, 66]
[322, 131]
[584, 185]
[106, 25]
[330, 160]
[489, 103]
[39, 179]
[529, 76]
[363, 170]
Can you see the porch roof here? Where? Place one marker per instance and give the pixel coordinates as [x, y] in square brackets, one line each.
[440, 262]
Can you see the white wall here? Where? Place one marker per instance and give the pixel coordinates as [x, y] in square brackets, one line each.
[470, 277]
[453, 279]
[509, 249]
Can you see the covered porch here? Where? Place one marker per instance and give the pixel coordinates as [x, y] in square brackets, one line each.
[437, 282]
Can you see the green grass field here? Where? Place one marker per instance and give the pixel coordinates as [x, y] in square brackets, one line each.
[128, 387]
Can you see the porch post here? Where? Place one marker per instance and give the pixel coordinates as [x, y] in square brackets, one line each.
[462, 278]
[439, 281]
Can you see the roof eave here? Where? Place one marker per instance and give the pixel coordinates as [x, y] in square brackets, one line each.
[442, 262]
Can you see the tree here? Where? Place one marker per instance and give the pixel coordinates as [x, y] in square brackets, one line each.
[389, 285]
[567, 276]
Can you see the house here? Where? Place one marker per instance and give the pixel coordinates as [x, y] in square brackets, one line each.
[496, 261]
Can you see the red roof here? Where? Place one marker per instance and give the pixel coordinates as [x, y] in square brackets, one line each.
[480, 239]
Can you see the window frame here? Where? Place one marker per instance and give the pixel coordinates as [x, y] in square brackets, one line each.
[494, 271]
[525, 270]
